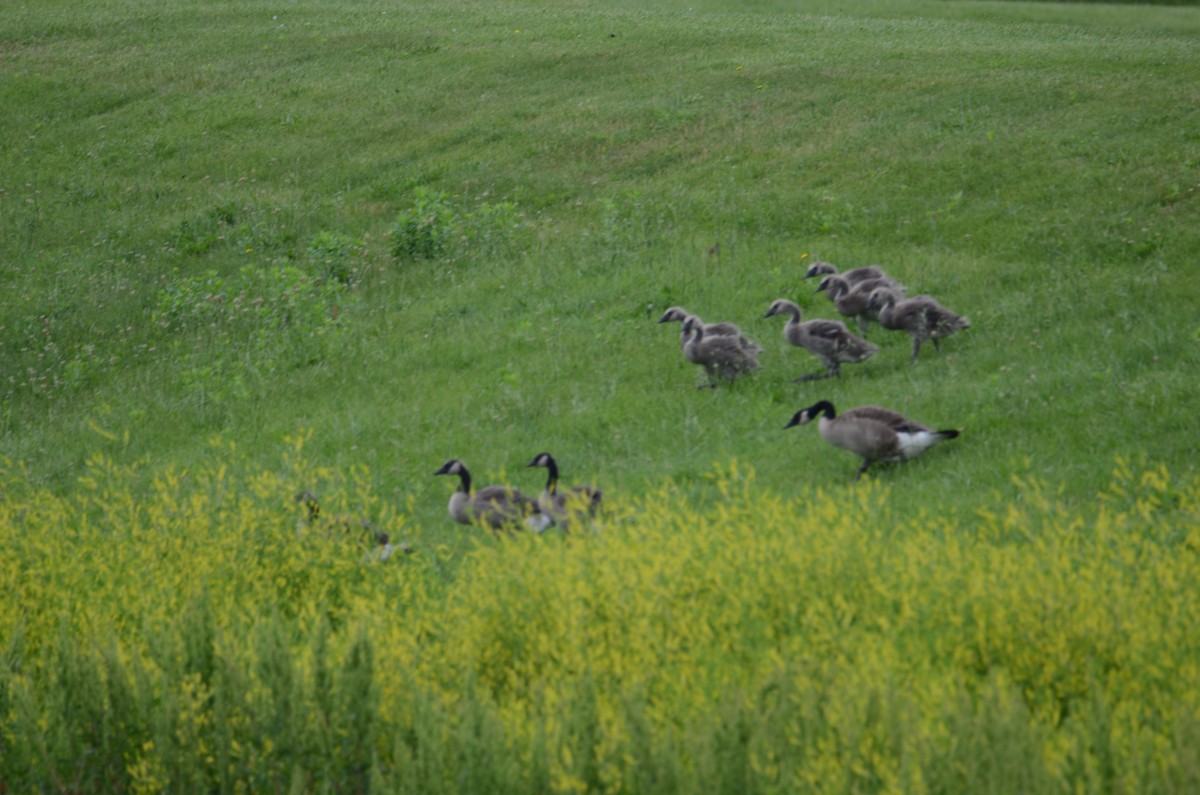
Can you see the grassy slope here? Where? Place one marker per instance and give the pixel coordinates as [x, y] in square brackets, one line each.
[1038, 175]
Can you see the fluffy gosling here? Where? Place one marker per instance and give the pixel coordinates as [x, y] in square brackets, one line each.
[721, 356]
[922, 317]
[828, 340]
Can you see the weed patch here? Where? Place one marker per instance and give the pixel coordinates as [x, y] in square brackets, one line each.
[432, 227]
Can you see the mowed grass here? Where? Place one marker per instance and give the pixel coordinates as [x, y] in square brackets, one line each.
[1037, 176]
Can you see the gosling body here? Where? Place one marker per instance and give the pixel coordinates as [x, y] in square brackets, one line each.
[828, 340]
[721, 356]
[921, 317]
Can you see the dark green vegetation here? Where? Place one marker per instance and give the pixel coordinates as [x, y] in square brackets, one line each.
[438, 230]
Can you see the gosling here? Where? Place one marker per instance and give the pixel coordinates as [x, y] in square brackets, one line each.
[874, 433]
[678, 314]
[854, 300]
[567, 505]
[828, 340]
[853, 276]
[721, 356]
[494, 507]
[313, 518]
[922, 317]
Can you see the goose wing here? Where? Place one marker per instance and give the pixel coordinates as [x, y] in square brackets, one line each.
[726, 351]
[501, 504]
[830, 329]
[894, 420]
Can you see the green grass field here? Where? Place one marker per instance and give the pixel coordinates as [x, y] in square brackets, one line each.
[408, 233]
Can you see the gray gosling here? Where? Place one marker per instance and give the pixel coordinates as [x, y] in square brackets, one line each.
[921, 316]
[721, 356]
[677, 314]
[564, 506]
[874, 433]
[853, 276]
[828, 340]
[314, 521]
[854, 300]
[495, 507]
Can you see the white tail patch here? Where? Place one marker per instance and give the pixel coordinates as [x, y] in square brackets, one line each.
[913, 444]
[539, 522]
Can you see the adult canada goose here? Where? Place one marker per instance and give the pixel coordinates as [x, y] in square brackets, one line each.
[721, 356]
[492, 506]
[874, 433]
[562, 506]
[853, 276]
[828, 340]
[921, 316]
[677, 314]
[854, 300]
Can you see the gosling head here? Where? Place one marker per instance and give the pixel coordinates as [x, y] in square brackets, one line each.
[675, 314]
[880, 297]
[819, 269]
[778, 306]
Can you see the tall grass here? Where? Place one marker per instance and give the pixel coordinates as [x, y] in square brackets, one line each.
[199, 640]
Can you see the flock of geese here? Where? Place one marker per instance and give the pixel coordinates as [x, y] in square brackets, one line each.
[865, 294]
[725, 352]
[497, 507]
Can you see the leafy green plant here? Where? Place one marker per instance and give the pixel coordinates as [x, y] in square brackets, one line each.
[335, 256]
[425, 229]
[433, 227]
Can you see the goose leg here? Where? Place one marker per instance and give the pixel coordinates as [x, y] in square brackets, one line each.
[916, 349]
[866, 463]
